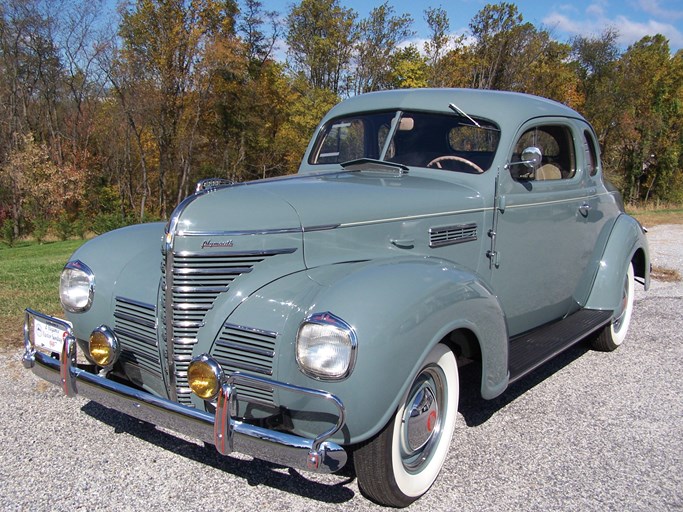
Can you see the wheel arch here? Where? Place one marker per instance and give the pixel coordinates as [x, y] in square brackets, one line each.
[626, 244]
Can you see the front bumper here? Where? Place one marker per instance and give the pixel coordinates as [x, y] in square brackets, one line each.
[227, 433]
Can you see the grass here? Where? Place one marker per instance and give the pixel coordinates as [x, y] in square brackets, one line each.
[29, 274]
[29, 277]
[649, 217]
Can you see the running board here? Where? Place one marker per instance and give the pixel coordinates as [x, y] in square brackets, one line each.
[531, 349]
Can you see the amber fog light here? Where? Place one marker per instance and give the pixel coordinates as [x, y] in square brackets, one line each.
[104, 346]
[204, 376]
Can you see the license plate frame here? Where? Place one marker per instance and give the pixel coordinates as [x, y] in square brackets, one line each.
[47, 336]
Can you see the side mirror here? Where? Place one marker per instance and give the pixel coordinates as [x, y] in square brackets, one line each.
[531, 157]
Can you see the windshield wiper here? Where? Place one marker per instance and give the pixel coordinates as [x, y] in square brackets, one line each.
[370, 164]
[461, 112]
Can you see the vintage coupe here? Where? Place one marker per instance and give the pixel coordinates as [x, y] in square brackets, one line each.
[304, 318]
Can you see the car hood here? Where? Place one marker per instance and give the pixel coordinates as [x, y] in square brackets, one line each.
[313, 202]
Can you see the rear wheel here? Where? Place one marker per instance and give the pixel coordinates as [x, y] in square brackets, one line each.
[402, 462]
[614, 334]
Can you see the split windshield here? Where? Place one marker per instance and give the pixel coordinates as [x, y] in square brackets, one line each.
[415, 139]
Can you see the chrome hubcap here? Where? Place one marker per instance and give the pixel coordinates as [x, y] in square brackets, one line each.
[616, 324]
[422, 418]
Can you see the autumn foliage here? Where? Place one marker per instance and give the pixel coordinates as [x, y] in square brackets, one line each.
[108, 118]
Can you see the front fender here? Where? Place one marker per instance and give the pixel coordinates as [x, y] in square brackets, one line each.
[627, 243]
[399, 308]
[125, 263]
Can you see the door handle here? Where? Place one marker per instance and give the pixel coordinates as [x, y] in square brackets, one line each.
[584, 209]
[404, 244]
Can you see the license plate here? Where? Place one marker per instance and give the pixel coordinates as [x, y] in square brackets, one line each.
[48, 337]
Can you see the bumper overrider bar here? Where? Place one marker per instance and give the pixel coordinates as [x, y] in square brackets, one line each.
[223, 430]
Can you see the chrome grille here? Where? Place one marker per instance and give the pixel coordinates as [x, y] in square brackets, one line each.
[196, 280]
[135, 327]
[247, 350]
[448, 235]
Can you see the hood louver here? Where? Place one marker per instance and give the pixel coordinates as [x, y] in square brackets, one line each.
[448, 235]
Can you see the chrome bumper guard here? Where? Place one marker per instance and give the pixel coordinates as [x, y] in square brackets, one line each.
[227, 433]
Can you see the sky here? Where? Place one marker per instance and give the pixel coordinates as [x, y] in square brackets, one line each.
[633, 19]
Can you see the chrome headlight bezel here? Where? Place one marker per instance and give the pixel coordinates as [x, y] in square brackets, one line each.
[104, 340]
[76, 287]
[326, 347]
[205, 368]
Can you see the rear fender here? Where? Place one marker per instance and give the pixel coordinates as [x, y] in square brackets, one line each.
[627, 243]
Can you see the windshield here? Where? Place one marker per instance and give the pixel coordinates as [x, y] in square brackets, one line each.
[417, 139]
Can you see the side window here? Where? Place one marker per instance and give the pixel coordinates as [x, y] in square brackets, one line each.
[557, 150]
[343, 141]
[591, 153]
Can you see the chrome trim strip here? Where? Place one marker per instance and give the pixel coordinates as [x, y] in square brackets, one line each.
[574, 199]
[241, 233]
[197, 289]
[168, 317]
[254, 330]
[413, 217]
[138, 320]
[184, 341]
[318, 454]
[139, 304]
[324, 227]
[272, 252]
[243, 348]
[223, 271]
[122, 331]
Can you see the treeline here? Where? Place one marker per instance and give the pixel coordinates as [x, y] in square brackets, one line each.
[107, 119]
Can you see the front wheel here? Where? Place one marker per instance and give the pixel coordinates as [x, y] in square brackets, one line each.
[614, 334]
[402, 462]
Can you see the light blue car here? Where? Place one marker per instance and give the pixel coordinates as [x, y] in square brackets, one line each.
[308, 317]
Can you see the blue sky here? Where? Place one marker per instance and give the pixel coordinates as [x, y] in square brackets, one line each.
[633, 19]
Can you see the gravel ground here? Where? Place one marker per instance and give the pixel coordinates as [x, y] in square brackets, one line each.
[589, 431]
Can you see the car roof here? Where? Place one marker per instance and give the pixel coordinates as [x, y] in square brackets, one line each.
[502, 107]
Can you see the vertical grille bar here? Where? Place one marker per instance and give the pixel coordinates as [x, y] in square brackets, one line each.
[193, 281]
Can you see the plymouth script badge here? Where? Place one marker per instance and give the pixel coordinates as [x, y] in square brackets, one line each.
[210, 244]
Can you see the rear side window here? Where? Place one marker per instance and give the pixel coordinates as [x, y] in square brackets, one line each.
[591, 153]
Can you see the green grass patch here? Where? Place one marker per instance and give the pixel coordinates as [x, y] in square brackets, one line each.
[29, 277]
[652, 217]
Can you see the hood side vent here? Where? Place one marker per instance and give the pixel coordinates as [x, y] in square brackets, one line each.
[449, 235]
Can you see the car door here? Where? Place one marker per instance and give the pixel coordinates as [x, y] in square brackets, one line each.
[543, 244]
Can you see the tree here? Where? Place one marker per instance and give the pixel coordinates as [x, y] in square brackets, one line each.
[162, 46]
[379, 37]
[438, 44]
[321, 35]
[595, 59]
[649, 145]
[36, 184]
[407, 69]
[259, 45]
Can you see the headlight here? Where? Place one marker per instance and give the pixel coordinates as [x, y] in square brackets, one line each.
[204, 376]
[326, 347]
[104, 346]
[76, 287]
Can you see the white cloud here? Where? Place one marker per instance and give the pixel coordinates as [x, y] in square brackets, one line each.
[596, 9]
[654, 9]
[629, 31]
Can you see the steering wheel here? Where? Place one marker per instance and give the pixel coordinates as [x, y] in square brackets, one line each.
[439, 159]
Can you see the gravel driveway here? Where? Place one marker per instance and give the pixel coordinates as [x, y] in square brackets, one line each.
[589, 431]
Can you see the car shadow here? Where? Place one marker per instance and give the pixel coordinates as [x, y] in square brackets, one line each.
[476, 411]
[256, 472]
